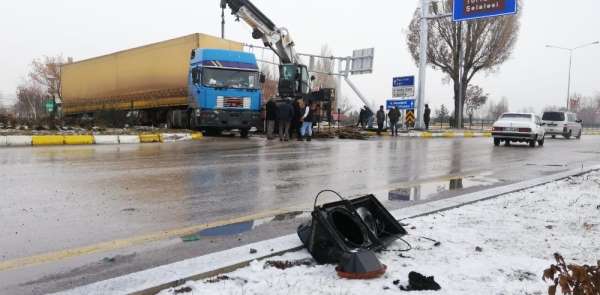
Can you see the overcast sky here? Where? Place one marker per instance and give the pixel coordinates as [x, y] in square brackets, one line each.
[534, 77]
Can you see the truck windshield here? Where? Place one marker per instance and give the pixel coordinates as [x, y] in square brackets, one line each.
[230, 78]
[553, 116]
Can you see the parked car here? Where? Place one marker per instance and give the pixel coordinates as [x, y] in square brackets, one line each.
[518, 127]
[562, 123]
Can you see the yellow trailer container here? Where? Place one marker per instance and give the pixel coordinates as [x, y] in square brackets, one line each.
[147, 77]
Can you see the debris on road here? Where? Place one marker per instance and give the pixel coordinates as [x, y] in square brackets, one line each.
[515, 240]
[352, 133]
[419, 282]
[285, 264]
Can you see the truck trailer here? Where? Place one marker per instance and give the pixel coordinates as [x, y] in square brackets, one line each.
[196, 81]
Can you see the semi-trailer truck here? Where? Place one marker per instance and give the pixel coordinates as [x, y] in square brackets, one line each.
[196, 81]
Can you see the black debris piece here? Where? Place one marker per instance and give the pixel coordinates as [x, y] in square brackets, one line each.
[419, 282]
[253, 251]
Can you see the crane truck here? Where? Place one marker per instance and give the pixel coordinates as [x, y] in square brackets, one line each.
[294, 78]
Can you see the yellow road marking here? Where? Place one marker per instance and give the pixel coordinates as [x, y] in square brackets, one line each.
[124, 243]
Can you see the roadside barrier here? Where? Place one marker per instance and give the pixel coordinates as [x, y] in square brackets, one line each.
[197, 136]
[174, 137]
[2, 140]
[47, 140]
[149, 138]
[129, 139]
[18, 140]
[78, 139]
[106, 139]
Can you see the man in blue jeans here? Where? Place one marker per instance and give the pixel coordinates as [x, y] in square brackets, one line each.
[307, 121]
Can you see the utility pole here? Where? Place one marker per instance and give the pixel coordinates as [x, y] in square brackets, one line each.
[571, 50]
[422, 63]
[461, 92]
[223, 6]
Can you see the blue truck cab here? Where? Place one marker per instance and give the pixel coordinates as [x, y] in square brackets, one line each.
[224, 90]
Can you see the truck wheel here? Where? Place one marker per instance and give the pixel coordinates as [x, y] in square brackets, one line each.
[532, 143]
[541, 141]
[553, 136]
[244, 132]
[578, 135]
[568, 135]
[507, 142]
[497, 141]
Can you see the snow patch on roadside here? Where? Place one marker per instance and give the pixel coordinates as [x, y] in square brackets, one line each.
[516, 233]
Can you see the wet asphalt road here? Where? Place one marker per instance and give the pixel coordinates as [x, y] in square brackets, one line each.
[58, 198]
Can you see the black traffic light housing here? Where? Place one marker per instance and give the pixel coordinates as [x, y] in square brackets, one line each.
[344, 233]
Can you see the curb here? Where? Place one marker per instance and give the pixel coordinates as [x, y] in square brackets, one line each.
[53, 140]
[151, 281]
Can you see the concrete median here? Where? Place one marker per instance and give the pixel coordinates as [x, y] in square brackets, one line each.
[78, 139]
[106, 139]
[129, 139]
[3, 141]
[37, 140]
[18, 140]
[149, 138]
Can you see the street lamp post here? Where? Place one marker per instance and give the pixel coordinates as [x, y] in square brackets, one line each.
[571, 50]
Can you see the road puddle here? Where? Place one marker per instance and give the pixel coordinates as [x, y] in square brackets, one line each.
[428, 190]
[241, 227]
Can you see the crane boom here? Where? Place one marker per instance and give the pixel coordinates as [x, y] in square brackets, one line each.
[276, 38]
[294, 80]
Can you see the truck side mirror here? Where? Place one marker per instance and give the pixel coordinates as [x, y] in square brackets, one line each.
[262, 78]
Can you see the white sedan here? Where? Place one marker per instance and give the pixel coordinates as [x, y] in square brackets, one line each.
[519, 127]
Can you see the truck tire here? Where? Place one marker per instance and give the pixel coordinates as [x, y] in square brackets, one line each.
[541, 141]
[568, 135]
[507, 142]
[578, 135]
[244, 132]
[497, 141]
[532, 143]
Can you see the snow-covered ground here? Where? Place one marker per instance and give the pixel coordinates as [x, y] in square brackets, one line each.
[515, 236]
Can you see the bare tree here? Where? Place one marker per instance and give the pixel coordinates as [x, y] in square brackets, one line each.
[323, 69]
[474, 100]
[487, 43]
[344, 105]
[30, 101]
[442, 114]
[497, 109]
[588, 110]
[46, 72]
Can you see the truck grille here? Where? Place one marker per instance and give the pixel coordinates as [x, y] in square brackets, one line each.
[233, 102]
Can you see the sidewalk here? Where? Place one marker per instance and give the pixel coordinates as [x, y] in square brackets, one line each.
[499, 246]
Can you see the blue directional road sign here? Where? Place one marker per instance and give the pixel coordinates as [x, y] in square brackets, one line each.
[474, 9]
[404, 81]
[403, 86]
[403, 104]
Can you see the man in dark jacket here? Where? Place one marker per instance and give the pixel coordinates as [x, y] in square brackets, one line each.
[427, 116]
[271, 109]
[380, 120]
[297, 120]
[285, 114]
[394, 116]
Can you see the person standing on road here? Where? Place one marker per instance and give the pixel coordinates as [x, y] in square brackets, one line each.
[271, 117]
[285, 115]
[297, 119]
[394, 116]
[361, 119]
[307, 121]
[427, 116]
[380, 120]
